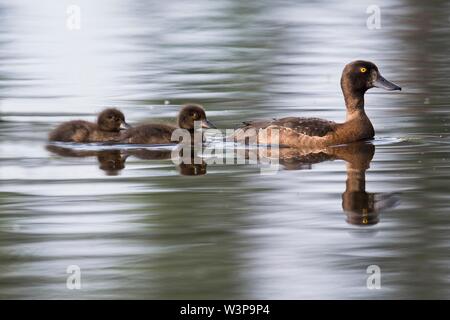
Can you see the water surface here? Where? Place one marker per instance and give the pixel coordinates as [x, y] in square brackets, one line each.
[140, 226]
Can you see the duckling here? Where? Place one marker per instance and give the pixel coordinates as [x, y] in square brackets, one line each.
[108, 126]
[357, 77]
[154, 133]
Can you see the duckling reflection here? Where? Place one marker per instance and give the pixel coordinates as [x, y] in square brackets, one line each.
[148, 154]
[361, 207]
[192, 165]
[113, 161]
[110, 161]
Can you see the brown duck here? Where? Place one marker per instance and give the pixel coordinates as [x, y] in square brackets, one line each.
[157, 133]
[357, 78]
[108, 126]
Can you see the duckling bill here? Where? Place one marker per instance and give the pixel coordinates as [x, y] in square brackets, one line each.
[108, 128]
[155, 133]
[357, 77]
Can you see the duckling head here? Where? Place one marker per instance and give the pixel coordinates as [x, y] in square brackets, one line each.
[359, 76]
[112, 119]
[191, 113]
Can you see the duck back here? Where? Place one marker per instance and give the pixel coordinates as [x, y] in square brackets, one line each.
[82, 131]
[292, 131]
[149, 134]
[307, 126]
[72, 131]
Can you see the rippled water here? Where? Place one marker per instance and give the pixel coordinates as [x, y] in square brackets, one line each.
[139, 226]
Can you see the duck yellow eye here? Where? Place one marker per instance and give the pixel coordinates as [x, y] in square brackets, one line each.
[362, 69]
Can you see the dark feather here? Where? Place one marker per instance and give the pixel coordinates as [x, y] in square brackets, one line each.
[308, 126]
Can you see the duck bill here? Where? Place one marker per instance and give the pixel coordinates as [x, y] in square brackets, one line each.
[208, 125]
[124, 126]
[382, 83]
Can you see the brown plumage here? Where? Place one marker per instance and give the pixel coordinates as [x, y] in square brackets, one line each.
[155, 133]
[106, 129]
[357, 78]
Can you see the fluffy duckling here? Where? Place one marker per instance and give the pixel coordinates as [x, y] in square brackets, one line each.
[155, 133]
[108, 126]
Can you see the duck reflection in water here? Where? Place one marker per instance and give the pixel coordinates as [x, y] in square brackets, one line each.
[192, 165]
[361, 207]
[113, 161]
[110, 161]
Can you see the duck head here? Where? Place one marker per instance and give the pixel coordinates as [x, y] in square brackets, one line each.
[112, 120]
[360, 76]
[191, 113]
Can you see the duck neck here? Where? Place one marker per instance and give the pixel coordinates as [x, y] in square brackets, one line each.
[354, 101]
[357, 125]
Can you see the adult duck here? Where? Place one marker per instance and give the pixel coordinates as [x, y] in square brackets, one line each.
[357, 77]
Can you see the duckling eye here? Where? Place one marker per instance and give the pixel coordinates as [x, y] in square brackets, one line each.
[195, 116]
[362, 69]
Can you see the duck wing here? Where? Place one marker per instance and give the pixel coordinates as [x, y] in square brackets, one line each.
[306, 126]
